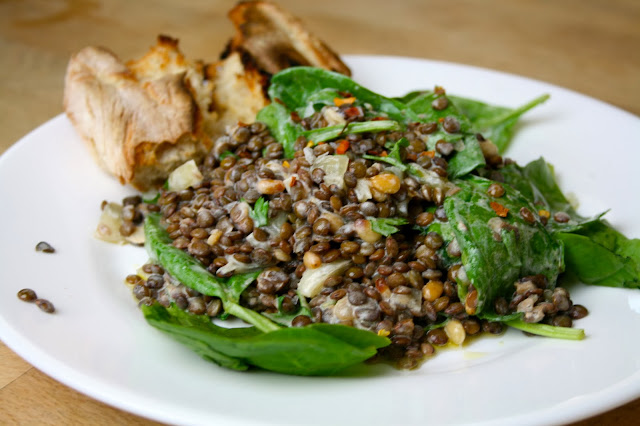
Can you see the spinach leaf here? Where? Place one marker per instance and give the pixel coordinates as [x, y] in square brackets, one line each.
[238, 283]
[536, 181]
[331, 132]
[298, 87]
[468, 155]
[192, 274]
[497, 251]
[387, 226]
[286, 318]
[494, 122]
[394, 158]
[282, 128]
[317, 349]
[546, 330]
[599, 255]
[260, 212]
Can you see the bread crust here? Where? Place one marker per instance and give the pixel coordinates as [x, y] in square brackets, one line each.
[138, 116]
[143, 118]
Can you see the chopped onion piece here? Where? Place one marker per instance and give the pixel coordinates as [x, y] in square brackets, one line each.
[184, 176]
[333, 116]
[313, 280]
[363, 190]
[334, 167]
[109, 225]
[234, 265]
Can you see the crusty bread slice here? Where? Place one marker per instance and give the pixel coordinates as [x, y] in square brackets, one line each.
[276, 39]
[144, 118]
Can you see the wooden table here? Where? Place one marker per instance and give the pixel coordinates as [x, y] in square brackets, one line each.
[586, 45]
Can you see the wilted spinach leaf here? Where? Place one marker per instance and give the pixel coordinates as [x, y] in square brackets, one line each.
[317, 349]
[598, 254]
[497, 251]
[495, 123]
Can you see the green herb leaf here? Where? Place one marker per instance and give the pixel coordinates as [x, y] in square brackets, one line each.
[286, 318]
[317, 349]
[389, 160]
[260, 212]
[226, 154]
[394, 157]
[386, 226]
[331, 132]
[153, 200]
[282, 128]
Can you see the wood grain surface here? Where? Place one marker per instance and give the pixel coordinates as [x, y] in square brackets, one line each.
[586, 45]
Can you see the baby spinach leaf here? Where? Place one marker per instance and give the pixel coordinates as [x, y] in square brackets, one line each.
[497, 251]
[387, 226]
[468, 155]
[238, 283]
[598, 254]
[260, 212]
[178, 324]
[494, 122]
[297, 86]
[331, 132]
[282, 128]
[317, 349]
[286, 318]
[537, 182]
[192, 274]
[466, 160]
[394, 158]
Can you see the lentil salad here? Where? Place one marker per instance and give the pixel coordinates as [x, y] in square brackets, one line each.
[336, 207]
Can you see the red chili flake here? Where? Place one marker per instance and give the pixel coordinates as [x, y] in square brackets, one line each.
[295, 117]
[343, 146]
[352, 112]
[379, 119]
[412, 156]
[441, 120]
[384, 154]
[293, 181]
[500, 210]
[429, 154]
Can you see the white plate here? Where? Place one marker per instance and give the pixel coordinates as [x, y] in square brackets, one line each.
[98, 343]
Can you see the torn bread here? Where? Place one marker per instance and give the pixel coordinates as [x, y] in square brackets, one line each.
[144, 118]
[276, 39]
